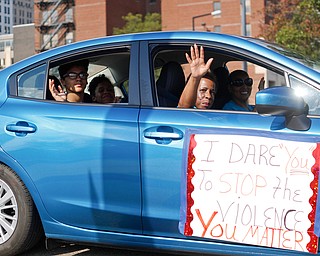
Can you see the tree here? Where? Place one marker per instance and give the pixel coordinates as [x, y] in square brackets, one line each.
[294, 24]
[135, 23]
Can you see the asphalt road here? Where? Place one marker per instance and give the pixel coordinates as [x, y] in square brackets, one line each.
[80, 250]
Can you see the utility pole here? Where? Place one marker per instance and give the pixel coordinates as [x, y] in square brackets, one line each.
[243, 26]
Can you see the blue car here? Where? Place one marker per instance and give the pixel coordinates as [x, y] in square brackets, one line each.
[143, 173]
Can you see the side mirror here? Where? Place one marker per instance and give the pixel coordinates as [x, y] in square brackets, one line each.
[283, 101]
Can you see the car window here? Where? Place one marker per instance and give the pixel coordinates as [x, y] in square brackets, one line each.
[113, 65]
[310, 94]
[31, 83]
[256, 72]
[222, 59]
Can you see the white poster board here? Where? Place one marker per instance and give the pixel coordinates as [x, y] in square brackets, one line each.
[253, 190]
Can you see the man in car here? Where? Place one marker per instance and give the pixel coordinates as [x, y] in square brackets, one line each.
[73, 77]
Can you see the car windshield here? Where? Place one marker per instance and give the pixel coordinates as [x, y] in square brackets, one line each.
[289, 53]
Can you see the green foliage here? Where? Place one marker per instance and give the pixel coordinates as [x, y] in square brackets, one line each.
[295, 24]
[136, 23]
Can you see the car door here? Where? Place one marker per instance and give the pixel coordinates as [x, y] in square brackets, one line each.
[82, 158]
[164, 135]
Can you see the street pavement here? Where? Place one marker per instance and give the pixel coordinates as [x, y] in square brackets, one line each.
[80, 250]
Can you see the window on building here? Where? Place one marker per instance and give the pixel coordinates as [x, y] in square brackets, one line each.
[248, 30]
[217, 28]
[69, 37]
[248, 6]
[69, 15]
[217, 6]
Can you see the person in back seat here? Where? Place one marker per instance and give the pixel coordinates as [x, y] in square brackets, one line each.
[200, 89]
[73, 77]
[102, 90]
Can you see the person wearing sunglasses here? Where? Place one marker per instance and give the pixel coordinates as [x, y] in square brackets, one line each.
[73, 78]
[200, 89]
[240, 87]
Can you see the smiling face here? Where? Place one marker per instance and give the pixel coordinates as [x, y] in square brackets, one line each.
[104, 93]
[77, 84]
[240, 88]
[206, 94]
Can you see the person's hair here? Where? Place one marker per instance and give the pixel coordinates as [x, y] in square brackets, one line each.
[235, 74]
[64, 68]
[209, 75]
[95, 81]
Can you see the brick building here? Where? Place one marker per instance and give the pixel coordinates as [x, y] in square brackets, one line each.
[226, 18]
[60, 22]
[223, 16]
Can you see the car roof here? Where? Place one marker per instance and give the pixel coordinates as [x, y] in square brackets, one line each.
[250, 45]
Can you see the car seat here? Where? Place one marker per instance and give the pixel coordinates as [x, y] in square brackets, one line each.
[223, 95]
[170, 84]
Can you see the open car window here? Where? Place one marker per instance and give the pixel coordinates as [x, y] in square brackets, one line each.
[168, 86]
[114, 65]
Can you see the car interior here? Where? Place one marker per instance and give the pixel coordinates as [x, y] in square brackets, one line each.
[170, 73]
[223, 64]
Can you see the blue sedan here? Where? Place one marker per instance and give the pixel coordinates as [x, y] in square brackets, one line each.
[141, 172]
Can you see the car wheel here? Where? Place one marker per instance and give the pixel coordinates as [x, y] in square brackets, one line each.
[20, 225]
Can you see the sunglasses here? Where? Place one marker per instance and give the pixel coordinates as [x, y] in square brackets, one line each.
[240, 82]
[73, 75]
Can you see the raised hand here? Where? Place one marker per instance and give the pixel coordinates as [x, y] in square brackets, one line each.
[58, 95]
[197, 65]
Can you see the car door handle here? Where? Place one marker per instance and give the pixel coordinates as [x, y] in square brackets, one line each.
[163, 134]
[21, 128]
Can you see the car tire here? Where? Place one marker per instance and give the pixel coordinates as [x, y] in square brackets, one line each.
[20, 225]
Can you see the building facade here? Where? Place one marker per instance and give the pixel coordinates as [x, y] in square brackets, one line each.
[60, 22]
[223, 16]
[6, 50]
[14, 12]
[23, 41]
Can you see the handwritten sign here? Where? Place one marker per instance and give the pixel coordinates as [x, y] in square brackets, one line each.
[251, 189]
